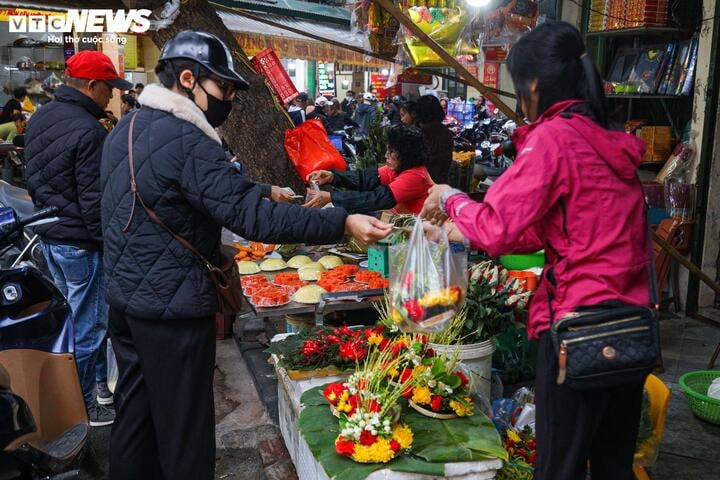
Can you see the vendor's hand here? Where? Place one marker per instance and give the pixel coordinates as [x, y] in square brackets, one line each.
[319, 199]
[431, 209]
[366, 229]
[433, 232]
[279, 194]
[322, 177]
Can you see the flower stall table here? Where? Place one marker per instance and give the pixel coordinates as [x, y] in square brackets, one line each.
[309, 468]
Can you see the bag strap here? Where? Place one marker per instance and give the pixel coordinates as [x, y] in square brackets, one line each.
[652, 272]
[150, 212]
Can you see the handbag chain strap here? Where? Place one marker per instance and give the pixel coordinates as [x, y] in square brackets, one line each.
[150, 212]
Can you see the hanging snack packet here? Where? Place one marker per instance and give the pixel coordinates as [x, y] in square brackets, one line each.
[429, 288]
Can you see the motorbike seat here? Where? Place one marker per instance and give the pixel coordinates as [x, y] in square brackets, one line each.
[16, 198]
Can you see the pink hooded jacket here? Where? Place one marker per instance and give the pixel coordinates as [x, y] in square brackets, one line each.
[573, 191]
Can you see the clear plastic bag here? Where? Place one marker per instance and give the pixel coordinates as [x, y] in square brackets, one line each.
[429, 289]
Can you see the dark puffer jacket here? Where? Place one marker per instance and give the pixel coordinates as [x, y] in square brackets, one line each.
[63, 146]
[183, 175]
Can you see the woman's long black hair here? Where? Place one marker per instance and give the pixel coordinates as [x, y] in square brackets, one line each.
[554, 54]
[408, 142]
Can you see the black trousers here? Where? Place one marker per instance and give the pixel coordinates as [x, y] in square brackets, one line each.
[577, 426]
[165, 423]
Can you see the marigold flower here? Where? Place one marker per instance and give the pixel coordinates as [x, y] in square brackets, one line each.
[378, 452]
[421, 395]
[403, 435]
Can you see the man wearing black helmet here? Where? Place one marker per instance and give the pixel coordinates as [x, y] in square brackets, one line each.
[162, 301]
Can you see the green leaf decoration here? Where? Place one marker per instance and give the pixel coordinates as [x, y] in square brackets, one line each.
[452, 381]
[436, 442]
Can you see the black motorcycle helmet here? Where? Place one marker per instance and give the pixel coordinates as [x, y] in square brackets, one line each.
[205, 49]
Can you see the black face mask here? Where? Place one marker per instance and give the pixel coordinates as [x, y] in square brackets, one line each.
[217, 110]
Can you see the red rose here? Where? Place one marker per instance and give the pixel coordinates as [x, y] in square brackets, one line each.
[429, 352]
[334, 339]
[352, 351]
[406, 374]
[436, 402]
[463, 378]
[532, 458]
[408, 392]
[311, 347]
[367, 438]
[395, 446]
[380, 329]
[423, 339]
[374, 406]
[344, 446]
[415, 311]
[384, 343]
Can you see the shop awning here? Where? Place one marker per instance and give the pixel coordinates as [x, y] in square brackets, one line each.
[255, 36]
[294, 8]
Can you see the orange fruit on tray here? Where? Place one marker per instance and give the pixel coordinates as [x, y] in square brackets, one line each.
[379, 283]
[365, 276]
[350, 287]
[271, 296]
[288, 278]
[346, 269]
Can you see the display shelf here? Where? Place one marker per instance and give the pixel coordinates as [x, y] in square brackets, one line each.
[638, 32]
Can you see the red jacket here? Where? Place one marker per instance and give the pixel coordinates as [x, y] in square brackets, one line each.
[573, 191]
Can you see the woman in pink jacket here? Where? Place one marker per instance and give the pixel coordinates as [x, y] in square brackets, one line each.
[573, 191]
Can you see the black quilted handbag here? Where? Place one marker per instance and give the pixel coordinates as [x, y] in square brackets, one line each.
[608, 344]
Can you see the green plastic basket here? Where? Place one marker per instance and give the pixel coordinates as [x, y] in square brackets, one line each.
[523, 262]
[695, 386]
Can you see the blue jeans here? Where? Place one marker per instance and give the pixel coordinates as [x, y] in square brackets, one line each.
[78, 273]
[101, 364]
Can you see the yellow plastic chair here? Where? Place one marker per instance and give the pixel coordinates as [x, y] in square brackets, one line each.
[659, 395]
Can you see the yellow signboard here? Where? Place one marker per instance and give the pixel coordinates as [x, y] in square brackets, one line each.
[131, 52]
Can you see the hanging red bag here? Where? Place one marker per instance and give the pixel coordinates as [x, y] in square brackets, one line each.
[309, 149]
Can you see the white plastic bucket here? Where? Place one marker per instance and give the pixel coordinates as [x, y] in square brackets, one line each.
[477, 358]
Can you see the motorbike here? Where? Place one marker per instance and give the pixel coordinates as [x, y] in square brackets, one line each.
[43, 421]
[490, 137]
[349, 143]
[26, 246]
[12, 165]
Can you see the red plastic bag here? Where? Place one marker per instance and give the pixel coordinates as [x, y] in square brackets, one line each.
[309, 149]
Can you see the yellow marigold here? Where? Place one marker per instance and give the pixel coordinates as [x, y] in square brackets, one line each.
[403, 435]
[393, 372]
[375, 339]
[378, 452]
[460, 409]
[396, 316]
[421, 396]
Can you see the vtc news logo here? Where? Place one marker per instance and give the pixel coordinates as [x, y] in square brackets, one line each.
[84, 21]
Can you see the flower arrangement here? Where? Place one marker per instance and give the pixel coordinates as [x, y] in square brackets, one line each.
[368, 411]
[440, 389]
[521, 449]
[322, 347]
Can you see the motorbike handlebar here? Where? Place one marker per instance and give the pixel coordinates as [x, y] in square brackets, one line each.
[39, 215]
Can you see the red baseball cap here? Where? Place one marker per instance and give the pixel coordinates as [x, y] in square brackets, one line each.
[94, 65]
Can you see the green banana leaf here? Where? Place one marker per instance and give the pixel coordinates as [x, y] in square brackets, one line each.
[435, 443]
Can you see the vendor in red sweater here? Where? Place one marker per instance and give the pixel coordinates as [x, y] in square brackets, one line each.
[401, 185]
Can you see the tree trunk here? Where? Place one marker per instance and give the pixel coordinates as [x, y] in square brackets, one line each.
[256, 127]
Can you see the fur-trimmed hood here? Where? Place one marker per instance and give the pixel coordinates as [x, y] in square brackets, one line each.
[160, 98]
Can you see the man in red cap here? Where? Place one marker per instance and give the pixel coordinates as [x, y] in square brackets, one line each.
[63, 147]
